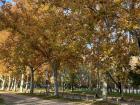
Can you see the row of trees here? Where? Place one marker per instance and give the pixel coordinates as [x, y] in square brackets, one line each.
[100, 35]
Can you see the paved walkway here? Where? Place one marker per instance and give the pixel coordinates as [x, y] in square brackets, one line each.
[13, 99]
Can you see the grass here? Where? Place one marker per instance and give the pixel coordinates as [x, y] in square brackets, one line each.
[126, 96]
[90, 92]
[76, 91]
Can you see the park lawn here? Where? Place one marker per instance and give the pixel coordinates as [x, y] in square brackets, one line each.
[89, 92]
[126, 96]
[76, 91]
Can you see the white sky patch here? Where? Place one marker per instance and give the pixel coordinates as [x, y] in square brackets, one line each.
[67, 11]
[90, 46]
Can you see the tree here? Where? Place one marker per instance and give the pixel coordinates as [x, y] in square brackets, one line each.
[52, 43]
[63, 32]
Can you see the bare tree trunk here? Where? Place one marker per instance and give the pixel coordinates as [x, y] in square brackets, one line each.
[55, 66]
[55, 82]
[15, 84]
[104, 89]
[32, 81]
[22, 83]
[3, 84]
[121, 90]
[98, 87]
[47, 83]
[26, 87]
[72, 81]
[27, 83]
[9, 83]
[12, 83]
[89, 81]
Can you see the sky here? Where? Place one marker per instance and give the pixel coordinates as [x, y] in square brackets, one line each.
[6, 1]
[9, 0]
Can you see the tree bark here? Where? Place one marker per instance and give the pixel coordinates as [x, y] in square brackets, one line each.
[26, 87]
[121, 90]
[9, 84]
[3, 84]
[15, 84]
[32, 81]
[55, 82]
[27, 82]
[104, 90]
[98, 86]
[89, 81]
[47, 88]
[55, 75]
[72, 82]
[22, 83]
[116, 83]
[12, 83]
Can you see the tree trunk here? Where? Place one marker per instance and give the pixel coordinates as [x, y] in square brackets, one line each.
[3, 84]
[27, 83]
[120, 87]
[32, 81]
[9, 84]
[55, 75]
[62, 83]
[104, 90]
[121, 90]
[12, 83]
[72, 87]
[55, 82]
[15, 84]
[72, 82]
[26, 87]
[98, 86]
[47, 83]
[63, 89]
[117, 84]
[22, 83]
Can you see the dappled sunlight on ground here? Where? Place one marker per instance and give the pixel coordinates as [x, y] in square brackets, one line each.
[12, 99]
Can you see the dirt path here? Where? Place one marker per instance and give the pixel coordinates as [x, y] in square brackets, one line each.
[13, 99]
